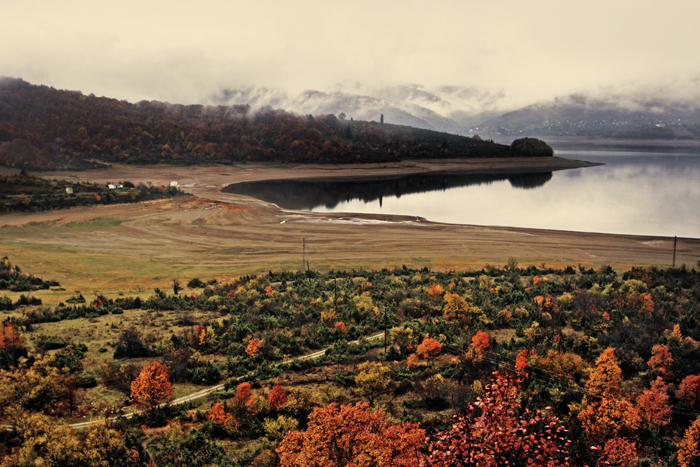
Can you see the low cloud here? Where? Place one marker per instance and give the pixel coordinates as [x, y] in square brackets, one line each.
[182, 52]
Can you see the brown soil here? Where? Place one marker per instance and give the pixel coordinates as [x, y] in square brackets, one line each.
[224, 235]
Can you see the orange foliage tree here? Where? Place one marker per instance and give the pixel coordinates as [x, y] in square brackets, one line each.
[217, 414]
[11, 343]
[619, 452]
[435, 292]
[646, 304]
[521, 362]
[655, 409]
[611, 414]
[152, 386]
[253, 346]
[429, 348]
[606, 377]
[340, 327]
[242, 404]
[351, 435]
[689, 447]
[501, 434]
[689, 389]
[661, 361]
[481, 341]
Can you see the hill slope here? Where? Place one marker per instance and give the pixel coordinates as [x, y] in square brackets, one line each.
[45, 128]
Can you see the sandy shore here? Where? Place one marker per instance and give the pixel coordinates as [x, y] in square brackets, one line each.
[223, 235]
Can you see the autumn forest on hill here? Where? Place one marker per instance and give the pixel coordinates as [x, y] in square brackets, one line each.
[42, 128]
[522, 366]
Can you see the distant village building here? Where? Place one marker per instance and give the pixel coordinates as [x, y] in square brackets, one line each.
[114, 186]
[173, 184]
[69, 190]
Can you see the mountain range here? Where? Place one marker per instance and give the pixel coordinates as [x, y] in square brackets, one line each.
[470, 110]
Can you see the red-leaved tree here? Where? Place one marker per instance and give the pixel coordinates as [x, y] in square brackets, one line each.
[655, 409]
[277, 397]
[689, 389]
[495, 430]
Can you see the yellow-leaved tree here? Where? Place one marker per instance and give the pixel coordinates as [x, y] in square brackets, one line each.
[373, 379]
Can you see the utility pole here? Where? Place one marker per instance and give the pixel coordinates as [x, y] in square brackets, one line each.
[303, 254]
[675, 240]
[385, 331]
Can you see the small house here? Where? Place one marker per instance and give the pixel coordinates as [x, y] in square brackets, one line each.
[69, 190]
[173, 184]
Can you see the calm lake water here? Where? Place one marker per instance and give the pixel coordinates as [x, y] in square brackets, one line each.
[653, 192]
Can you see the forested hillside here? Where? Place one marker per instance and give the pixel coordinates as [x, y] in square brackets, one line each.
[592, 368]
[45, 128]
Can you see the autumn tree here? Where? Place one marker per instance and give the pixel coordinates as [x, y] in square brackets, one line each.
[34, 389]
[253, 346]
[645, 303]
[495, 430]
[105, 447]
[217, 414]
[243, 403]
[689, 447]
[456, 308]
[481, 341]
[435, 292]
[277, 397]
[373, 379]
[619, 452]
[606, 378]
[11, 345]
[278, 428]
[661, 362]
[352, 435]
[608, 413]
[152, 387]
[477, 350]
[429, 348]
[689, 390]
[655, 409]
[44, 442]
[568, 367]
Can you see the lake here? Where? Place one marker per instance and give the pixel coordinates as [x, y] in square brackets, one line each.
[642, 192]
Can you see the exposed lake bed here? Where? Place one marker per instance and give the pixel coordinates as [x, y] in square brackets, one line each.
[218, 233]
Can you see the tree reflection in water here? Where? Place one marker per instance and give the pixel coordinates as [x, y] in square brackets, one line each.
[307, 194]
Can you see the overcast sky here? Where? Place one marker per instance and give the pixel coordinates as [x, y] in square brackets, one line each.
[183, 51]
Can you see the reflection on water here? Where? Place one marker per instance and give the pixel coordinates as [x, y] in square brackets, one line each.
[642, 193]
[312, 193]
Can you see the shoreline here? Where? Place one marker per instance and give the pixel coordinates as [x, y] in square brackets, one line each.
[220, 235]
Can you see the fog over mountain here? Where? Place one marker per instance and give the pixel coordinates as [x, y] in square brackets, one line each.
[629, 110]
[445, 108]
